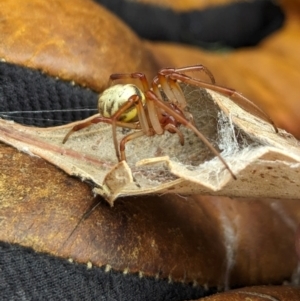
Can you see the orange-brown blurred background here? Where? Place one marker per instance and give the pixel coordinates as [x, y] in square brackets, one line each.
[268, 73]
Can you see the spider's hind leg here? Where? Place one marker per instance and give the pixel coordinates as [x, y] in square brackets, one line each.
[237, 97]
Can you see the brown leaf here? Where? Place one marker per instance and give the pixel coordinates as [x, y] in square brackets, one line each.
[256, 154]
[209, 241]
[82, 42]
[258, 293]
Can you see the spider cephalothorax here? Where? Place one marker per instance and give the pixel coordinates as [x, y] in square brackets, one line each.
[156, 108]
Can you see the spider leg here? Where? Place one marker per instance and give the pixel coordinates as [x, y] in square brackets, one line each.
[98, 119]
[182, 70]
[83, 125]
[127, 138]
[154, 115]
[238, 98]
[131, 136]
[152, 98]
[173, 129]
[171, 87]
[123, 76]
[143, 124]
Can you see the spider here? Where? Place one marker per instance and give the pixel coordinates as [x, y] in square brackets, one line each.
[150, 113]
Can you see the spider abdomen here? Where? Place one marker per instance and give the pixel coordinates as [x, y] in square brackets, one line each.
[113, 98]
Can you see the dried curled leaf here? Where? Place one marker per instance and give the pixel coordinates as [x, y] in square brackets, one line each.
[259, 157]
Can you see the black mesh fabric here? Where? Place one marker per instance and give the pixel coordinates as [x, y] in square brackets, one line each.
[26, 275]
[236, 24]
[29, 92]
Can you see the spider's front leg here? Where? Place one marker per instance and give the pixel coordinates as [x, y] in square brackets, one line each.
[85, 124]
[97, 119]
[171, 87]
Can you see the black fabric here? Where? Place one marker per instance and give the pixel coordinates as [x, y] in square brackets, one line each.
[237, 24]
[30, 91]
[26, 275]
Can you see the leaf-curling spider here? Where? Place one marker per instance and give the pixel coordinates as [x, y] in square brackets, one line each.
[150, 113]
